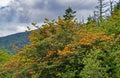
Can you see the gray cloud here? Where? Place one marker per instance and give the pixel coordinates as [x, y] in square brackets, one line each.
[27, 11]
[36, 10]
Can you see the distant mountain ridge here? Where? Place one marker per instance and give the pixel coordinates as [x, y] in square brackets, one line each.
[18, 39]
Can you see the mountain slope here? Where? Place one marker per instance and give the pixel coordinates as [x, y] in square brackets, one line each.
[18, 39]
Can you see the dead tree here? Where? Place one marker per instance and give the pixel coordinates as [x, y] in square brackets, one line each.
[101, 9]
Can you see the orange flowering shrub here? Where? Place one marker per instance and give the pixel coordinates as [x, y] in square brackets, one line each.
[66, 51]
[63, 49]
[90, 39]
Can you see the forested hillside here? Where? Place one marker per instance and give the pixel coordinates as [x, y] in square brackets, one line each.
[19, 40]
[65, 48]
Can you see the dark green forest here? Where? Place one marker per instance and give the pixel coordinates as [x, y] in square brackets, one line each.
[19, 40]
[66, 48]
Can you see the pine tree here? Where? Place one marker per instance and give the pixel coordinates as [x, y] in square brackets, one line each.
[117, 7]
[69, 14]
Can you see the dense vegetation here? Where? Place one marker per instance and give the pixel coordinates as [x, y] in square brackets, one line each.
[4, 56]
[67, 49]
[19, 40]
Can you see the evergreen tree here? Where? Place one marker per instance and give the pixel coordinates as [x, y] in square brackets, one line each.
[117, 7]
[69, 14]
[90, 19]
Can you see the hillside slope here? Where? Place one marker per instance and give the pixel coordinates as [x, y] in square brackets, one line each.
[18, 39]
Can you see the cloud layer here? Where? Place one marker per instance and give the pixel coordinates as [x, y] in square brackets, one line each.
[27, 11]
[36, 10]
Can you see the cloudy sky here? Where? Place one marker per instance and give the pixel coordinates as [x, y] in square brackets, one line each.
[15, 15]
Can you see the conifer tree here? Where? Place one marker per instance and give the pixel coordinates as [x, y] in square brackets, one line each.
[69, 14]
[117, 7]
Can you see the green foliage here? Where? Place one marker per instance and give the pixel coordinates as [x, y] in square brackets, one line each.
[112, 26]
[117, 8]
[90, 20]
[19, 39]
[4, 56]
[64, 49]
[69, 14]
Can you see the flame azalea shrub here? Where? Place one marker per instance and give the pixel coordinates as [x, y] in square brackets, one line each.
[64, 49]
[11, 66]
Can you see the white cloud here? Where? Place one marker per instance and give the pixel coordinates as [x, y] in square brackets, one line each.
[12, 29]
[7, 29]
[4, 2]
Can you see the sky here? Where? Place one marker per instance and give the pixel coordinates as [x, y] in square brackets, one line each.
[16, 15]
